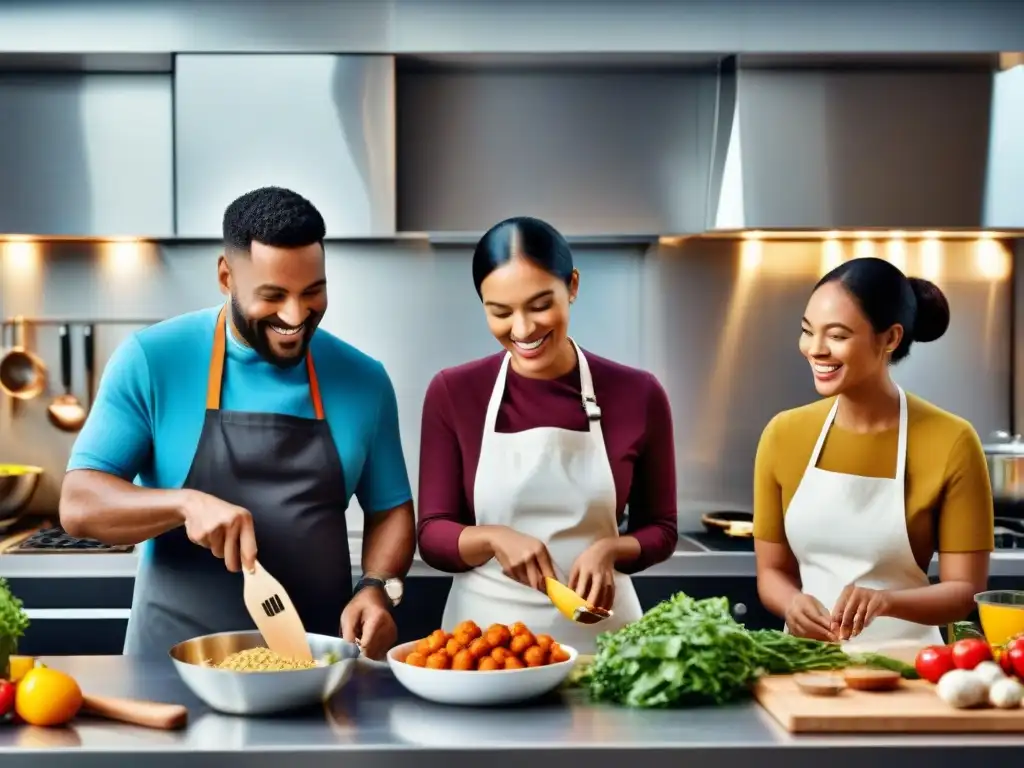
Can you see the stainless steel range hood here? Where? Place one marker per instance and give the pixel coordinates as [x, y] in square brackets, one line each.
[813, 145]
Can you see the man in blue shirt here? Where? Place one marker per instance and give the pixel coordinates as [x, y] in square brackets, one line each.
[242, 429]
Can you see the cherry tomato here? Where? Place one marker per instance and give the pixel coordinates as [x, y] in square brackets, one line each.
[1006, 663]
[1012, 657]
[969, 653]
[7, 692]
[933, 662]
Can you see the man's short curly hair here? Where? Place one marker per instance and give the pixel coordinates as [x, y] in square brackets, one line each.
[273, 216]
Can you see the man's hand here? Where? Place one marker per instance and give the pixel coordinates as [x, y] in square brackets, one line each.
[367, 622]
[593, 574]
[856, 608]
[224, 529]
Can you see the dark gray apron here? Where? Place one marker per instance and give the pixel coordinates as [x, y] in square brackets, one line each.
[287, 472]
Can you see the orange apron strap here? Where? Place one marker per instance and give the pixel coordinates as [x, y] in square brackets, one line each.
[216, 377]
[314, 388]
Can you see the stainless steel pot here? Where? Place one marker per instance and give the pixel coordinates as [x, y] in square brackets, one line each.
[17, 484]
[1005, 456]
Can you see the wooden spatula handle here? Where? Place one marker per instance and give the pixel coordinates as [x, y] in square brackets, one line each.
[149, 714]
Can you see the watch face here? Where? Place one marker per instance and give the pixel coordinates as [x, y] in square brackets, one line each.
[393, 588]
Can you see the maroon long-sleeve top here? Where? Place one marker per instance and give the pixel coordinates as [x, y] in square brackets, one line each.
[637, 425]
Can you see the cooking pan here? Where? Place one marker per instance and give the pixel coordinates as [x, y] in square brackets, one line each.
[733, 524]
[1005, 456]
[18, 482]
[22, 374]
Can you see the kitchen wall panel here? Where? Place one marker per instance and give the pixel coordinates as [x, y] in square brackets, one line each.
[410, 305]
[321, 124]
[86, 154]
[722, 323]
[717, 321]
[472, 26]
[598, 152]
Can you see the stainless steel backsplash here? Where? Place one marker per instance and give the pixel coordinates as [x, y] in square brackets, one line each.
[716, 320]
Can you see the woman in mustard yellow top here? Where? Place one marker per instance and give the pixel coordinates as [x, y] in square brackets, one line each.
[854, 493]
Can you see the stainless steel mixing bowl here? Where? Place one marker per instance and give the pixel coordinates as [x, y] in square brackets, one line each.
[260, 693]
[18, 482]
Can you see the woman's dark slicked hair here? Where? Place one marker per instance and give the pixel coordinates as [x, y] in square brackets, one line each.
[524, 236]
[886, 297]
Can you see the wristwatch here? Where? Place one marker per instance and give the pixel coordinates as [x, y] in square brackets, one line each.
[392, 587]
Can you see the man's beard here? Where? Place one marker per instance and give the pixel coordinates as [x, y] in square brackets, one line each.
[254, 333]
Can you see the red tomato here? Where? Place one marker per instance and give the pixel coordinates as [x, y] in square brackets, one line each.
[7, 691]
[1012, 658]
[933, 662]
[1006, 663]
[969, 653]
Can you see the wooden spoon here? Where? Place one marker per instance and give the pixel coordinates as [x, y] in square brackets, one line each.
[148, 714]
[275, 616]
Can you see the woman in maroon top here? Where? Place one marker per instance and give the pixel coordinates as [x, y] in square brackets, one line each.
[528, 458]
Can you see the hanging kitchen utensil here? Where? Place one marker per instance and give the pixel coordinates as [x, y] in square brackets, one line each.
[22, 374]
[89, 348]
[572, 606]
[275, 616]
[66, 412]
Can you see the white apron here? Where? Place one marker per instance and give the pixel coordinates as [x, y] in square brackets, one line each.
[847, 529]
[557, 486]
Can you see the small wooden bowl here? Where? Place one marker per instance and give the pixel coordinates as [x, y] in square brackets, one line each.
[860, 679]
[820, 684]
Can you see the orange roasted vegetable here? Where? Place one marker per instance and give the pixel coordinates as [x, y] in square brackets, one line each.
[499, 647]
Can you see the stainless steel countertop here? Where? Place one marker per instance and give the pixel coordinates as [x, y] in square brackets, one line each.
[689, 559]
[374, 722]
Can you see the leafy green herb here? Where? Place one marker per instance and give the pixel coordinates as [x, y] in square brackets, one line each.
[963, 630]
[13, 623]
[687, 652]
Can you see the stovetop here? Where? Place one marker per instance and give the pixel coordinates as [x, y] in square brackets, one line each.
[50, 540]
[1009, 535]
[719, 542]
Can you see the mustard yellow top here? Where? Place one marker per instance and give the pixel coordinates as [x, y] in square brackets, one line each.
[949, 496]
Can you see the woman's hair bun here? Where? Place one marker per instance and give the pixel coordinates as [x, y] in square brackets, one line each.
[932, 318]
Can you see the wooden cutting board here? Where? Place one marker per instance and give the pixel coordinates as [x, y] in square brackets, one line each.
[912, 708]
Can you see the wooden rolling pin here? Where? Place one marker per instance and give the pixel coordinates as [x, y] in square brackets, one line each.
[148, 714]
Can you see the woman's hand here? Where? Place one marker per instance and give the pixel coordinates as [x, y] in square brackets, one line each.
[521, 557]
[807, 617]
[593, 574]
[855, 609]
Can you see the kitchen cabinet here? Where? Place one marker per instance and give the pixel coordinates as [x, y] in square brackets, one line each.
[321, 125]
[86, 154]
[593, 152]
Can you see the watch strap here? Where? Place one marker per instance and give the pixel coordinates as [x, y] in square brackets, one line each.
[372, 581]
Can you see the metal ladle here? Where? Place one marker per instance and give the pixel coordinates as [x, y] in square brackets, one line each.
[66, 412]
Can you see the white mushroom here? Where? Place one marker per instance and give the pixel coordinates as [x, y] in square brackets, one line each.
[962, 689]
[989, 672]
[1006, 693]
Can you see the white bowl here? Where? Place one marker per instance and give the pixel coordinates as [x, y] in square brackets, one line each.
[465, 688]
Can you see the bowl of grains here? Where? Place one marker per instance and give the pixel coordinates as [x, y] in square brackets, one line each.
[235, 673]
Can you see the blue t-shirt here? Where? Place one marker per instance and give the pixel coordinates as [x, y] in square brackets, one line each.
[151, 404]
